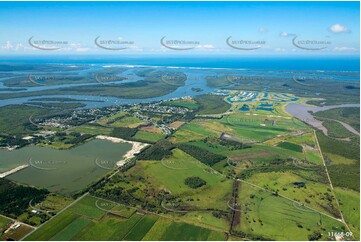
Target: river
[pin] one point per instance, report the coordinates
(302, 112)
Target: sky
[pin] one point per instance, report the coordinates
(143, 28)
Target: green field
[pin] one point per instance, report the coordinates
(53, 227)
(87, 207)
(185, 103)
(337, 164)
(350, 206)
(141, 228)
(315, 194)
(167, 230)
(126, 121)
(92, 129)
(192, 131)
(179, 166)
(290, 146)
(265, 216)
(82, 222)
(148, 136)
(108, 228)
(211, 104)
(72, 229)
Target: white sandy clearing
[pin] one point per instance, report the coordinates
(16, 169)
(137, 147)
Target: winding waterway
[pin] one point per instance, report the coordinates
(302, 112)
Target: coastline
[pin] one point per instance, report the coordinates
(136, 147)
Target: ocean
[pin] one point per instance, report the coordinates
(326, 63)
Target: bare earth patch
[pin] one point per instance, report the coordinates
(176, 124)
(251, 155)
(152, 129)
(137, 147)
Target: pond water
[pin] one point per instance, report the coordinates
(64, 171)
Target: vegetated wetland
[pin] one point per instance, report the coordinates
(228, 153)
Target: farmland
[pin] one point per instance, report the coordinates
(85, 221)
(276, 158)
(231, 164)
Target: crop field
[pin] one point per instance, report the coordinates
(254, 120)
(192, 131)
(126, 121)
(72, 229)
(241, 129)
(141, 228)
(93, 130)
(148, 136)
(85, 221)
(113, 118)
(206, 218)
(53, 227)
(87, 207)
(290, 146)
(168, 230)
(108, 228)
(51, 205)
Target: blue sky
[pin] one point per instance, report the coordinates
(322, 28)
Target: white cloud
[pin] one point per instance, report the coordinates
(279, 50)
(344, 49)
(7, 46)
(285, 34)
(206, 46)
(82, 49)
(262, 30)
(338, 28)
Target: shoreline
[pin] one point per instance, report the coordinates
(303, 113)
(14, 170)
(136, 147)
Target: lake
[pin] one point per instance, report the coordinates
(64, 171)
